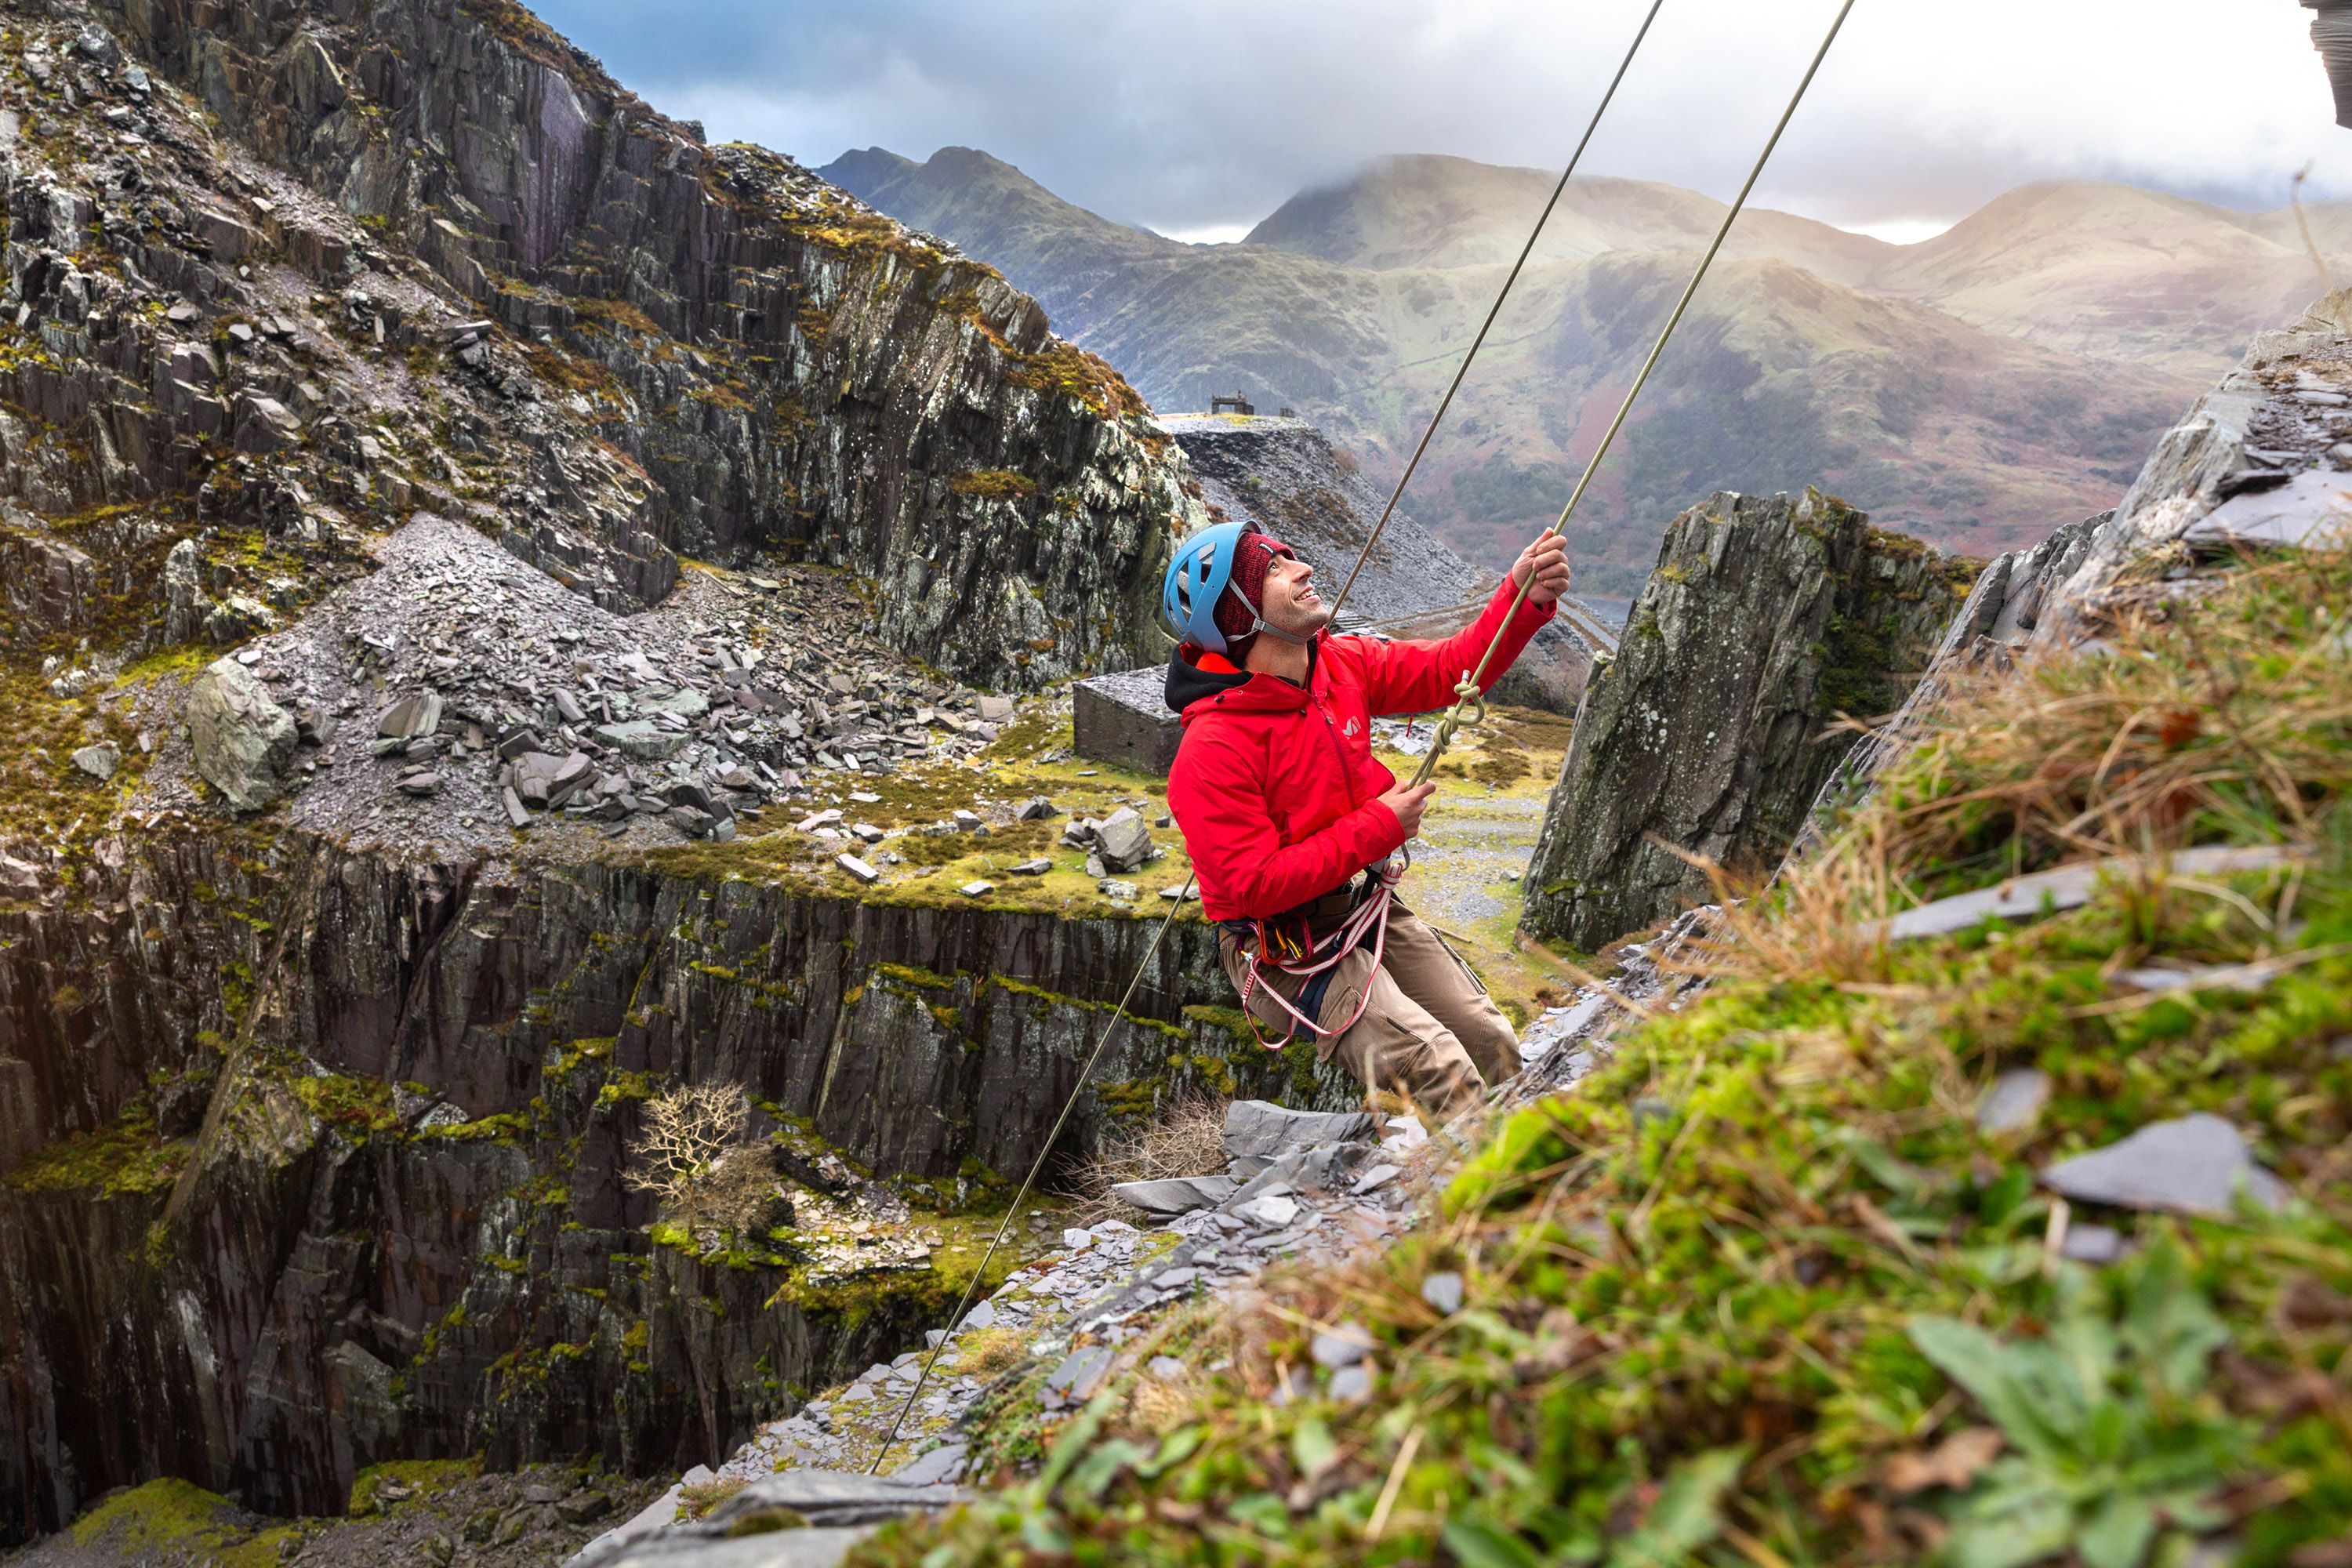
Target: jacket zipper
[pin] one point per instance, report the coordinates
(1347, 774)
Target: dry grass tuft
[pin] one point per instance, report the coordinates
(1188, 1140)
(982, 1353)
(702, 1498)
(2193, 726)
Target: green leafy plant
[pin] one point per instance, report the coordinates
(2113, 1438)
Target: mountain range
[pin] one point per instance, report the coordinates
(1978, 389)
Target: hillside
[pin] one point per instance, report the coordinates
(2113, 273)
(1427, 210)
(1977, 390)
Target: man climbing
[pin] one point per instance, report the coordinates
(1291, 822)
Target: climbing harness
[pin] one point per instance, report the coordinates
(1463, 370)
(1469, 707)
(1289, 945)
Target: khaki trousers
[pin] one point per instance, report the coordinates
(1430, 1030)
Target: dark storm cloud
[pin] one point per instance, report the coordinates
(1192, 116)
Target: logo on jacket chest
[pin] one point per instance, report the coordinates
(1351, 729)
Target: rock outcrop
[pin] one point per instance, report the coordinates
(2262, 461)
(242, 739)
(1764, 621)
(293, 270)
(344, 1174)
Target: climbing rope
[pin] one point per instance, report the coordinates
(1118, 1014)
(1467, 696)
(1495, 309)
(1469, 708)
(1036, 1167)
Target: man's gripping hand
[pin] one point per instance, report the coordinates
(1408, 800)
(1546, 561)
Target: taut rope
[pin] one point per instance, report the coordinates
(1469, 703)
(1495, 309)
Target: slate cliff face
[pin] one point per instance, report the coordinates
(364, 1201)
(1765, 619)
(691, 351)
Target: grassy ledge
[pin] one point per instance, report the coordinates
(1761, 1291)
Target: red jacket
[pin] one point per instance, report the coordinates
(1275, 785)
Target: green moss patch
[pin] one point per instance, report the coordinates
(126, 1159)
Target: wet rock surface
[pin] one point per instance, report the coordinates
(1765, 619)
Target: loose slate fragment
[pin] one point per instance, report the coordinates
(1080, 1371)
(2014, 1102)
(1343, 1346)
(1176, 1194)
(2196, 1164)
(1262, 1129)
(857, 868)
(2069, 887)
(411, 716)
(2092, 1244)
(1270, 1212)
(2293, 515)
(1443, 1292)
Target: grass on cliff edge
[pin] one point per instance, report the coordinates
(1760, 1291)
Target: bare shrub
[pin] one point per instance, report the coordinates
(1188, 1140)
(694, 1153)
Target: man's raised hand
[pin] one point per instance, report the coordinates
(1547, 561)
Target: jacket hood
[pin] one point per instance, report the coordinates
(1192, 690)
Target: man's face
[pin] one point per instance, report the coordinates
(1292, 604)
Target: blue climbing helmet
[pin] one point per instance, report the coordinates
(1197, 579)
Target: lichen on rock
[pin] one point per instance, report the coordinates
(243, 740)
(1709, 735)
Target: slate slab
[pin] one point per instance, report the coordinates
(2014, 1102)
(2067, 887)
(1258, 1129)
(2196, 1164)
(2305, 511)
(1121, 720)
(944, 1463)
(1176, 1194)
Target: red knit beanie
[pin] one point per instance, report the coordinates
(1244, 597)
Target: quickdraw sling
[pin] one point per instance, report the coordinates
(1294, 950)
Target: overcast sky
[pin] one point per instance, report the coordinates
(1198, 117)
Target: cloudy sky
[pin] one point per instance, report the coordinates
(1198, 117)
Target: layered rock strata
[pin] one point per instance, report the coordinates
(351, 1183)
(291, 270)
(1708, 735)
